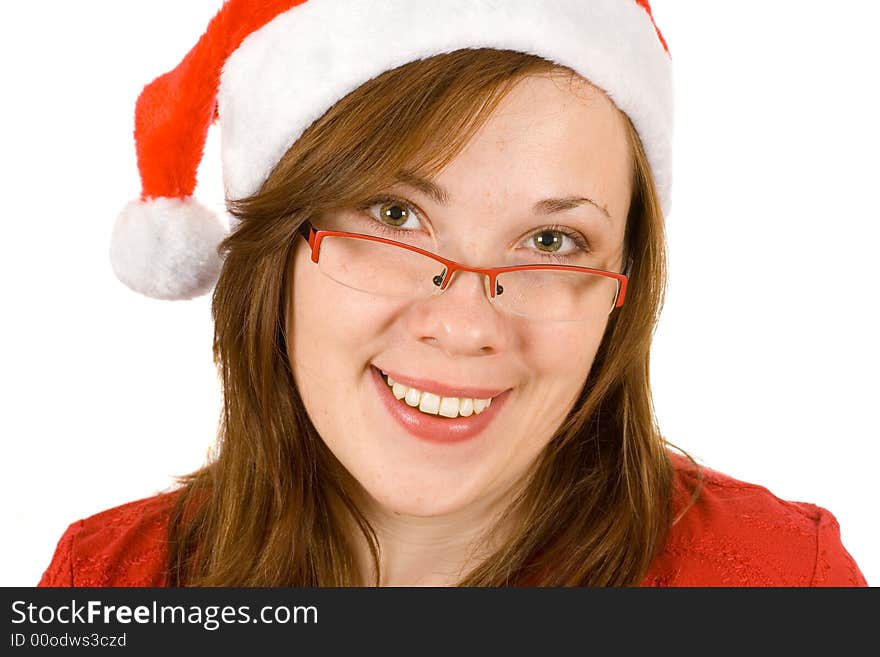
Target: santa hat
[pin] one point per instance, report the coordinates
(267, 69)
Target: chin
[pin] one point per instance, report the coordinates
(421, 501)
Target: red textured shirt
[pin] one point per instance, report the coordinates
(736, 534)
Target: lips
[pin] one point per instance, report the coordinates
(434, 428)
(427, 385)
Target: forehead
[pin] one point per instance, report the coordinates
(551, 136)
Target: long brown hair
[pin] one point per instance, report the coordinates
(274, 507)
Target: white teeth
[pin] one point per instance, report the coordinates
(399, 390)
(466, 408)
(481, 405)
(449, 406)
(428, 402)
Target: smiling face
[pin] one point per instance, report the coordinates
(546, 176)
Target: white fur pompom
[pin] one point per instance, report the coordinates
(166, 248)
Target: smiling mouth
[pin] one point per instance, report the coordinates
(429, 416)
(434, 404)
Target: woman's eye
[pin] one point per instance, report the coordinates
(549, 240)
(558, 241)
(395, 214)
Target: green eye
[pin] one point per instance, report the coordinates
(394, 213)
(548, 240)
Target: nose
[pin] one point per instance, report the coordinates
(461, 320)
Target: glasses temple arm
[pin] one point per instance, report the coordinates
(305, 229)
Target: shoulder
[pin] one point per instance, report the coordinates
(740, 534)
(122, 546)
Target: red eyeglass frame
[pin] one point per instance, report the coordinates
(314, 237)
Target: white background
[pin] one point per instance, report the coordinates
(765, 363)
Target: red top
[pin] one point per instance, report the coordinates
(737, 534)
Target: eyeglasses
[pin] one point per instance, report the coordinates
(384, 267)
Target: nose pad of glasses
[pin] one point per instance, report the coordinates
(441, 278)
(487, 283)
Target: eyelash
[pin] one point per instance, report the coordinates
(582, 246)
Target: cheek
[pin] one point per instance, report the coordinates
(321, 347)
(320, 315)
(562, 352)
(559, 359)
(329, 351)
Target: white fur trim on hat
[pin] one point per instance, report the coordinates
(166, 248)
(288, 73)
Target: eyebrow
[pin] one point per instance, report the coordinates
(430, 189)
(544, 206)
(551, 205)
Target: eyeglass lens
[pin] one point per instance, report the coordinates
(388, 270)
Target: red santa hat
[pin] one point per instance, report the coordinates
(266, 69)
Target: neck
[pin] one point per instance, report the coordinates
(431, 550)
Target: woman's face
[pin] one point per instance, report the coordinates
(550, 145)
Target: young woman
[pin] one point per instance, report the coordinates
(434, 312)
